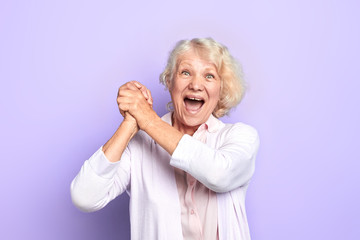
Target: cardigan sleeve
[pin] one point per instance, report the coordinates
(100, 181)
(229, 165)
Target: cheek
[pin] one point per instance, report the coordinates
(175, 94)
(215, 93)
(177, 88)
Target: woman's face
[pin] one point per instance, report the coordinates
(195, 91)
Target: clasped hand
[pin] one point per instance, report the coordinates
(135, 104)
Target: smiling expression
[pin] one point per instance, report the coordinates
(195, 91)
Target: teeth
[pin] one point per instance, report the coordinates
(195, 99)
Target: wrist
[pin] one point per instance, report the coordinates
(131, 125)
(146, 124)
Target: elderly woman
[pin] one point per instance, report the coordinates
(186, 173)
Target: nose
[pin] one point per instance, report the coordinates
(196, 83)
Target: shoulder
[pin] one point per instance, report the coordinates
(239, 130)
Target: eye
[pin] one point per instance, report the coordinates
(186, 73)
(210, 76)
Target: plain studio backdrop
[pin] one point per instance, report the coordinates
(61, 63)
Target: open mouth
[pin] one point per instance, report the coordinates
(193, 103)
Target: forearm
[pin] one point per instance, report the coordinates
(115, 146)
(103, 176)
(221, 168)
(90, 192)
(99, 181)
(165, 135)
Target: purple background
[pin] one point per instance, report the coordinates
(61, 63)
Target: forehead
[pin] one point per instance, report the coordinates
(195, 58)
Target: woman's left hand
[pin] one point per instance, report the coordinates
(135, 98)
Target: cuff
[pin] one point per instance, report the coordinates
(102, 166)
(181, 156)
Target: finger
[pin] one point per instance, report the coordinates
(126, 87)
(150, 100)
(145, 93)
(130, 93)
(131, 85)
(127, 114)
(122, 113)
(137, 84)
(126, 100)
(142, 88)
(134, 85)
(123, 89)
(123, 107)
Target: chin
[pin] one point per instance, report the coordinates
(193, 121)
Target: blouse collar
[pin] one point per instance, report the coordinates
(211, 125)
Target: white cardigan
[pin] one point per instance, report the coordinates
(224, 164)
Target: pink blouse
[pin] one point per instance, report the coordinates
(198, 203)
